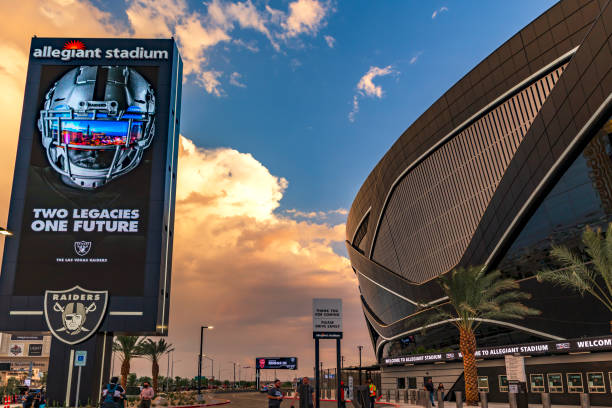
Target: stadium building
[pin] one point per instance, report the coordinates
(515, 157)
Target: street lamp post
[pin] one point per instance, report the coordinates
(212, 366)
(200, 357)
(360, 347)
(168, 372)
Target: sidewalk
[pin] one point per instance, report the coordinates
(491, 405)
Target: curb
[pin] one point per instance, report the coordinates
(333, 400)
(202, 405)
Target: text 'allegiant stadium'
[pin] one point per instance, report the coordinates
(138, 53)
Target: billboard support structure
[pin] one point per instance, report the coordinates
(327, 324)
(92, 202)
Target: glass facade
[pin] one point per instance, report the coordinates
(387, 307)
(583, 196)
(435, 209)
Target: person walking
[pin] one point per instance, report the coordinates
(275, 395)
(112, 394)
(39, 399)
(305, 393)
(342, 395)
(28, 399)
(372, 392)
(146, 395)
(429, 387)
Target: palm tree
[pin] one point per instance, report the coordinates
(153, 351)
(128, 347)
(590, 271)
(473, 296)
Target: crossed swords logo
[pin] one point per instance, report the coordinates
(73, 316)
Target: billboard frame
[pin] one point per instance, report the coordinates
(147, 313)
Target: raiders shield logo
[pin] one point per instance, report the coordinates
(75, 314)
(82, 247)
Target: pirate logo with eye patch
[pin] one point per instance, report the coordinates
(73, 315)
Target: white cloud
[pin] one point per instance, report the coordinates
(366, 83)
(316, 214)
(195, 32)
(250, 45)
(367, 88)
(235, 78)
(331, 41)
(245, 14)
(355, 109)
(295, 64)
(415, 57)
(439, 11)
(210, 81)
(304, 17)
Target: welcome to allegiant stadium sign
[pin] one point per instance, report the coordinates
(551, 347)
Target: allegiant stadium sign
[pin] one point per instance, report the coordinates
(79, 52)
(530, 349)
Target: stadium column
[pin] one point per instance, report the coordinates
(62, 377)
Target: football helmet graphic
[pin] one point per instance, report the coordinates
(96, 123)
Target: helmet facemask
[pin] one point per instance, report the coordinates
(90, 142)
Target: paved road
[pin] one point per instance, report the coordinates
(259, 400)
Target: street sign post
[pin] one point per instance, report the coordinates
(327, 324)
(80, 360)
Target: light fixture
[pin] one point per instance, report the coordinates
(4, 231)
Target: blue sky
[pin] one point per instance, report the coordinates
(291, 107)
(292, 115)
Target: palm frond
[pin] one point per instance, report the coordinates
(594, 247)
(568, 278)
(153, 351)
(431, 317)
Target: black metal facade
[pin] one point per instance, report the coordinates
(514, 157)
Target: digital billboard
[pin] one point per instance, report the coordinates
(92, 205)
(276, 363)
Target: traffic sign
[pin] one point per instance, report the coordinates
(80, 358)
(327, 318)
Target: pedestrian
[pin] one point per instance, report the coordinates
(441, 390)
(146, 395)
(305, 393)
(28, 399)
(112, 394)
(40, 401)
(342, 395)
(372, 392)
(430, 388)
(275, 395)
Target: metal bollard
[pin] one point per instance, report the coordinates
(427, 401)
(397, 396)
(585, 401)
(440, 398)
(406, 397)
(388, 396)
(459, 399)
(484, 403)
(545, 400)
(512, 400)
(423, 398)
